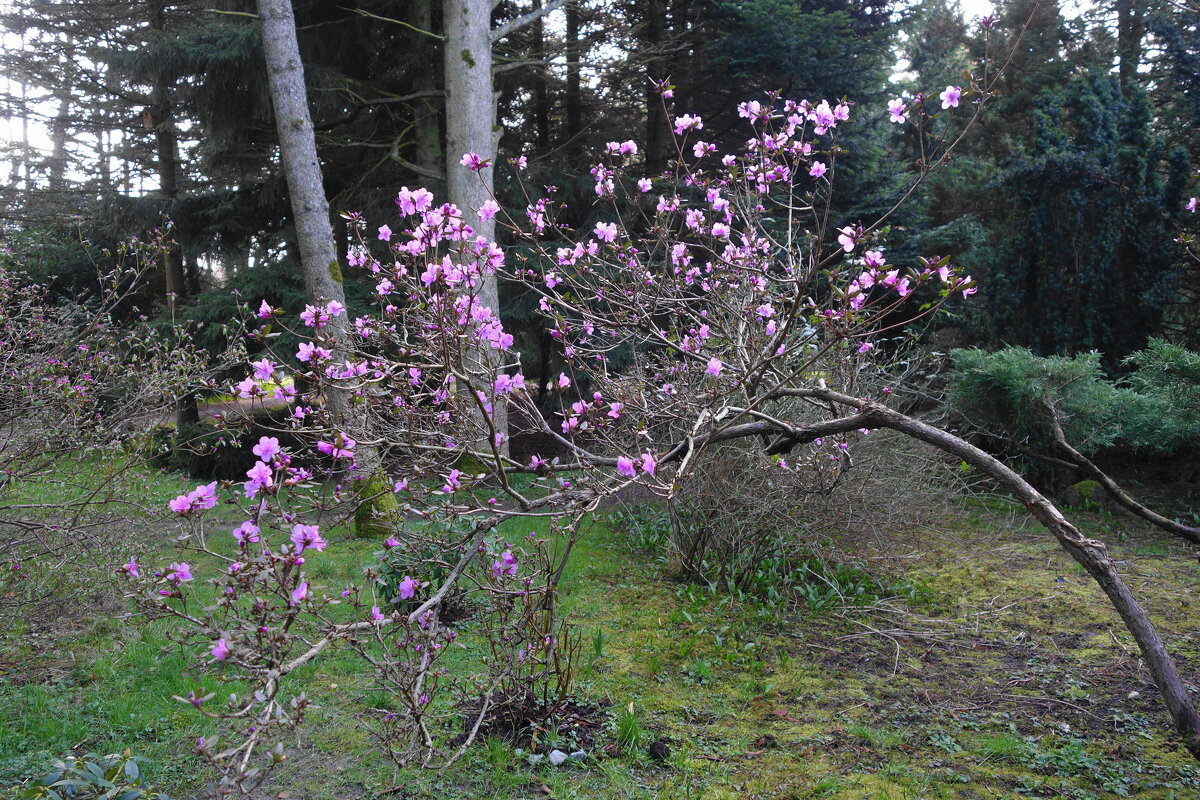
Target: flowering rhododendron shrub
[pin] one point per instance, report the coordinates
(741, 311)
(75, 385)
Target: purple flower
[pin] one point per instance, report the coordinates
(376, 614)
(220, 650)
(714, 367)
(473, 162)
(818, 169)
(181, 504)
(848, 238)
(686, 123)
(267, 448)
(246, 532)
(131, 568)
(453, 482)
(299, 593)
(897, 109)
(489, 209)
(407, 588)
(648, 463)
(308, 537)
(505, 565)
(951, 96)
(625, 467)
(341, 447)
(606, 231)
(385, 233)
(263, 370)
(179, 573)
(1191, 205)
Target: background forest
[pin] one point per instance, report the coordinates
(1067, 196)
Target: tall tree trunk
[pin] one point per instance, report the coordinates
(166, 164)
(574, 100)
(58, 145)
(471, 128)
(1131, 28)
(426, 126)
(657, 149)
(314, 235)
(541, 96)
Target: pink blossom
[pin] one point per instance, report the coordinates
(263, 370)
(181, 504)
(204, 496)
(385, 233)
(342, 446)
(714, 367)
(179, 573)
(563, 380)
(648, 464)
(865, 347)
(625, 467)
(299, 593)
(1191, 205)
(489, 209)
(407, 588)
(951, 96)
(897, 109)
(265, 311)
(131, 568)
(848, 238)
(643, 185)
(267, 448)
(686, 123)
(220, 650)
(505, 565)
(248, 387)
(473, 162)
(308, 537)
(390, 542)
(818, 169)
(246, 532)
(376, 614)
(606, 231)
(414, 202)
(453, 482)
(309, 351)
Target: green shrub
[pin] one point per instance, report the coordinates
(1011, 392)
(93, 777)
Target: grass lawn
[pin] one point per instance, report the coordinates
(1006, 675)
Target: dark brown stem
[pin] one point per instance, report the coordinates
(1113, 488)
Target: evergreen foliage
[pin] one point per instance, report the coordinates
(1012, 391)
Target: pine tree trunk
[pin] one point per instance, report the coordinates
(167, 167)
(657, 150)
(574, 101)
(427, 129)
